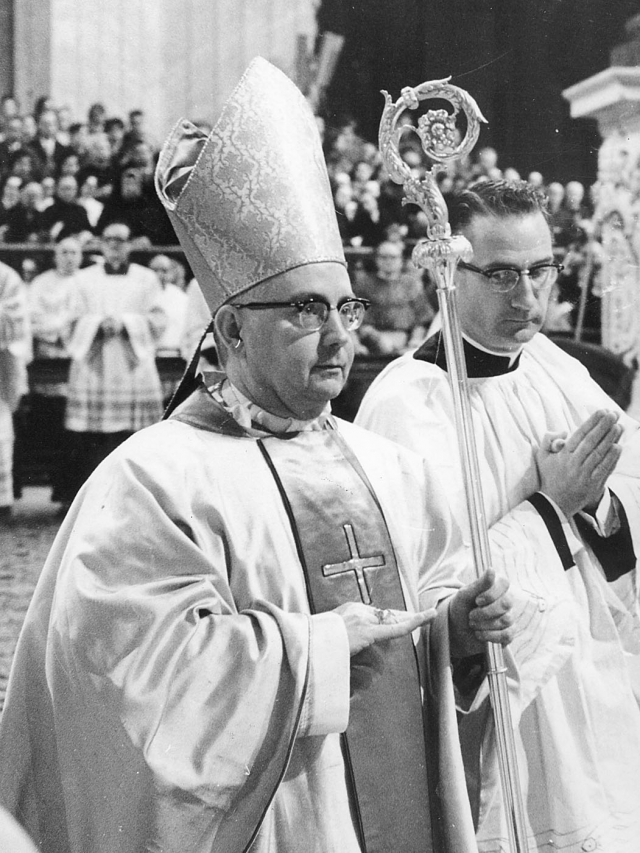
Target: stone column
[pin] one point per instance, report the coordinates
(612, 97)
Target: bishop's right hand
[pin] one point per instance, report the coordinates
(367, 625)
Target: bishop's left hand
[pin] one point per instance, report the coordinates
(479, 613)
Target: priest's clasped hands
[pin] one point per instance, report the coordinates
(574, 470)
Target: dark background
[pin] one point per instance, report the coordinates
(513, 56)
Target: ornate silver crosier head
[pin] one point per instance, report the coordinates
(439, 136)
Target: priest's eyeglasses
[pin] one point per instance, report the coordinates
(504, 279)
(312, 314)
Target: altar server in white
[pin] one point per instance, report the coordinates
(554, 452)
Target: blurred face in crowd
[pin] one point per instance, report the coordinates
(163, 268)
(389, 260)
(9, 107)
(288, 370)
(78, 138)
(48, 125)
(29, 128)
(64, 118)
(70, 165)
(48, 187)
(67, 188)
(555, 194)
(488, 158)
(131, 183)
(68, 256)
(31, 195)
(23, 167)
(99, 150)
(115, 244)
(11, 192)
(574, 194)
(13, 129)
(502, 322)
(28, 270)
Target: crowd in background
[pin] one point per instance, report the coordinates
(64, 183)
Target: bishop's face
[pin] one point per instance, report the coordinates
(504, 321)
(285, 369)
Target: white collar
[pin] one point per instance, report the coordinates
(257, 421)
(512, 356)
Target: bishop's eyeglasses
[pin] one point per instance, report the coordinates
(312, 314)
(504, 279)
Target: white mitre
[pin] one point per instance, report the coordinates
(253, 198)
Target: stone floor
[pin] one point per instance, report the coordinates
(24, 544)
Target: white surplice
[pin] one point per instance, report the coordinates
(578, 721)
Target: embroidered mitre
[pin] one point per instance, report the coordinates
(253, 198)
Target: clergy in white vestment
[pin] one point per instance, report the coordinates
(225, 649)
(114, 388)
(559, 461)
(15, 353)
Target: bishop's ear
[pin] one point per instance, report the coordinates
(228, 326)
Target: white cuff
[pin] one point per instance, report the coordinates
(326, 704)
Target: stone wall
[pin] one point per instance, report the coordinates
(168, 57)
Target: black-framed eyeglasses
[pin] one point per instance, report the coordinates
(504, 279)
(312, 314)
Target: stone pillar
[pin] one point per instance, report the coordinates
(612, 97)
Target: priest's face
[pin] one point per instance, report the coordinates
(504, 321)
(286, 369)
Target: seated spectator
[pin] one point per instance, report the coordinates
(70, 165)
(568, 222)
(361, 174)
(98, 163)
(559, 217)
(29, 269)
(366, 228)
(22, 164)
(43, 104)
(146, 217)
(511, 174)
(95, 119)
(9, 197)
(65, 120)
(66, 217)
(29, 129)
(137, 133)
(114, 128)
(346, 206)
(536, 179)
(46, 148)
(9, 108)
(24, 220)
(11, 142)
(48, 192)
(54, 307)
(400, 312)
(87, 199)
(486, 165)
(78, 139)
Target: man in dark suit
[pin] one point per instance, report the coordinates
(48, 152)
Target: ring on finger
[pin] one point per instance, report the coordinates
(381, 615)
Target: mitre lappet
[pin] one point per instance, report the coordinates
(252, 199)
